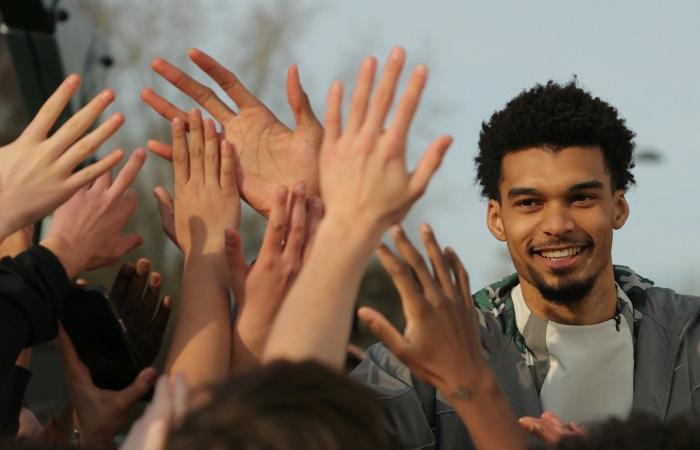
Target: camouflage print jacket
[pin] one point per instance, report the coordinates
(666, 374)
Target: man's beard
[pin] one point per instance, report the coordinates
(567, 291)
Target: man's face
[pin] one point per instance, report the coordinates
(557, 214)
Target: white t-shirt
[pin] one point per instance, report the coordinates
(591, 367)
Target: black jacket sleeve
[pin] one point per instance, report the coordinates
(13, 384)
(32, 288)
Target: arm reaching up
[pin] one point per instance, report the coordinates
(269, 153)
(260, 288)
(206, 203)
(365, 188)
(440, 343)
(36, 171)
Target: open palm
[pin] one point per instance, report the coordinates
(269, 153)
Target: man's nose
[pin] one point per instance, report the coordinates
(557, 221)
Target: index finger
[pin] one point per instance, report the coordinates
(194, 89)
(412, 300)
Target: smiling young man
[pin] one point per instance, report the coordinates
(569, 333)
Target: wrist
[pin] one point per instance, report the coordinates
(357, 228)
(467, 384)
(67, 253)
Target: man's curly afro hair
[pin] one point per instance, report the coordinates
(554, 116)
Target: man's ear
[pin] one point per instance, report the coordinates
(621, 209)
(494, 221)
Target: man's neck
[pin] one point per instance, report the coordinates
(599, 305)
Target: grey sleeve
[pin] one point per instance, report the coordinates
(407, 424)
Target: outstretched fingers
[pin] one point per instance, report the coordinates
(87, 174)
(382, 329)
(80, 122)
(51, 110)
(429, 163)
(438, 261)
(461, 276)
(211, 153)
(181, 166)
(195, 90)
(408, 104)
(276, 225)
(196, 145)
(384, 94)
(402, 275)
(224, 78)
(162, 106)
(361, 93)
(333, 119)
(414, 259)
(128, 173)
(299, 100)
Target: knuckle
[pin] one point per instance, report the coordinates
(204, 95)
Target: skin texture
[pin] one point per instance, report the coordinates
(206, 203)
(546, 212)
(366, 188)
(260, 288)
(269, 153)
(441, 343)
(86, 231)
(550, 428)
(36, 171)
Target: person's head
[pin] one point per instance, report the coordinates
(554, 165)
(286, 406)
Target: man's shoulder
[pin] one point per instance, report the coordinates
(665, 307)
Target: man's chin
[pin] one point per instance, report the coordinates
(566, 290)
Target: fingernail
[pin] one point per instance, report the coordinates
(425, 228)
(108, 94)
(177, 123)
(300, 188)
(155, 279)
(449, 250)
(396, 52)
(397, 229)
(73, 79)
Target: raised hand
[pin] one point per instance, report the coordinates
(363, 167)
(441, 343)
(36, 171)
(206, 203)
(135, 296)
(365, 187)
(259, 289)
(206, 197)
(270, 154)
(86, 231)
(101, 413)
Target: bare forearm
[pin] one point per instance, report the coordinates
(319, 308)
(201, 342)
(487, 415)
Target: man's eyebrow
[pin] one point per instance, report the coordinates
(593, 184)
(518, 191)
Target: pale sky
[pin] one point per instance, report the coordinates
(640, 56)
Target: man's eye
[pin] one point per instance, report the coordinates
(527, 203)
(583, 198)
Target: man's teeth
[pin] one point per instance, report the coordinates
(563, 253)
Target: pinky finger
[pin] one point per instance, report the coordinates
(429, 163)
(90, 173)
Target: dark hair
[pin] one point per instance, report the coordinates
(554, 117)
(286, 406)
(639, 432)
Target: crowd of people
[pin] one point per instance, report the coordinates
(570, 352)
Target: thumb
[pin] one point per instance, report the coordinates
(298, 100)
(383, 330)
(74, 367)
(143, 382)
(166, 210)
